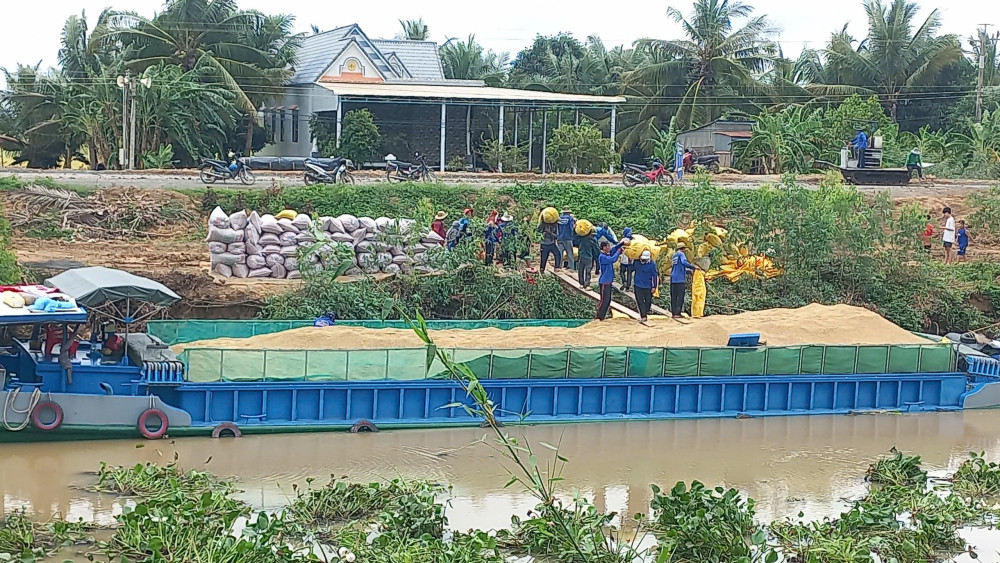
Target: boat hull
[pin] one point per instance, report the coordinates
(276, 407)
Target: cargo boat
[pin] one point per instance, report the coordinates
(151, 392)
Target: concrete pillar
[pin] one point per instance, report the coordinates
(545, 137)
(614, 120)
(578, 117)
(514, 111)
(444, 115)
(531, 135)
(340, 120)
(500, 137)
(468, 132)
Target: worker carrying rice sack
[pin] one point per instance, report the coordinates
(698, 294)
(550, 216)
(584, 228)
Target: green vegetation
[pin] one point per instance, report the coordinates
(359, 136)
(897, 471)
(146, 480)
(10, 270)
(30, 541)
(581, 149)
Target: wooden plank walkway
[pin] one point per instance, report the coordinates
(570, 281)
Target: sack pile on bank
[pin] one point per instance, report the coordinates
(271, 246)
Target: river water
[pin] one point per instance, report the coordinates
(812, 464)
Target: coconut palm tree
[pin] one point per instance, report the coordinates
(467, 60)
(223, 43)
(717, 60)
(414, 30)
(897, 57)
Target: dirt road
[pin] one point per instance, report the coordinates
(188, 179)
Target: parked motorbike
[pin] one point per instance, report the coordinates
(397, 171)
(328, 171)
(709, 162)
(636, 174)
(213, 169)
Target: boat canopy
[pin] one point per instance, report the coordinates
(22, 316)
(96, 285)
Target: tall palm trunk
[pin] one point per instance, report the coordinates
(249, 143)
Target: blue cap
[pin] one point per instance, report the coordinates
(627, 232)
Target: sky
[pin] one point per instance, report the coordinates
(29, 30)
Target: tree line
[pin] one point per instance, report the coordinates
(214, 64)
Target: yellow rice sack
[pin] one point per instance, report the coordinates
(550, 215)
(584, 227)
(286, 214)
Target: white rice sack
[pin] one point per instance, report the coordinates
(305, 237)
(379, 246)
(272, 260)
(325, 223)
(289, 250)
(391, 268)
(363, 246)
(432, 238)
(302, 221)
(368, 223)
(402, 260)
(218, 219)
(255, 262)
(397, 251)
(349, 222)
(254, 220)
(359, 235)
(287, 226)
(366, 259)
(382, 223)
(369, 236)
(251, 235)
(336, 226)
(269, 238)
(253, 249)
(219, 234)
(383, 258)
(353, 271)
(217, 247)
(288, 239)
(341, 237)
(294, 275)
(238, 220)
(260, 273)
(223, 270)
(241, 271)
(406, 225)
(228, 259)
(291, 263)
(237, 248)
(270, 249)
(417, 249)
(278, 271)
(268, 224)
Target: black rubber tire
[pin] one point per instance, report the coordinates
(713, 168)
(247, 177)
(346, 178)
(429, 177)
(627, 180)
(204, 175)
(307, 180)
(227, 427)
(389, 177)
(363, 426)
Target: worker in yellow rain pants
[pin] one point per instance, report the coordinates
(698, 294)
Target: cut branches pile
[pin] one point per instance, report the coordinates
(114, 213)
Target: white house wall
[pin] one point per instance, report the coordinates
(352, 52)
(310, 100)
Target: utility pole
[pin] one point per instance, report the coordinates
(983, 38)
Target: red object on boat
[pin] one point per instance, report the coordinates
(53, 336)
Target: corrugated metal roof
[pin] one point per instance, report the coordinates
(736, 134)
(420, 58)
(449, 92)
(317, 52)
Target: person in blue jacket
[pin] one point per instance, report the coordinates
(861, 145)
(679, 267)
(647, 279)
(609, 255)
(564, 238)
(604, 232)
(626, 267)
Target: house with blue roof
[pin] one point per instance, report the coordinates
(416, 107)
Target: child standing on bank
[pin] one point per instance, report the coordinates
(962, 235)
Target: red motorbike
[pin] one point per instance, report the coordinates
(637, 174)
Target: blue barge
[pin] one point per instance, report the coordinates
(210, 391)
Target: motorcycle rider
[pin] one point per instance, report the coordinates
(688, 161)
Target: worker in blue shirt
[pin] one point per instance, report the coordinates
(604, 232)
(861, 145)
(564, 238)
(679, 267)
(609, 255)
(647, 279)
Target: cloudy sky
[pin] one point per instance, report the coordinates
(29, 30)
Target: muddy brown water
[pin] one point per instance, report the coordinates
(810, 464)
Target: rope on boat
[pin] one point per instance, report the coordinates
(8, 406)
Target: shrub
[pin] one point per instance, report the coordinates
(581, 149)
(494, 153)
(359, 137)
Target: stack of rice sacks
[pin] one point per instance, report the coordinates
(268, 246)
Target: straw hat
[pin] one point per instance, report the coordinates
(506, 218)
(681, 245)
(567, 210)
(440, 215)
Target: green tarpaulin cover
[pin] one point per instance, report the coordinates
(97, 285)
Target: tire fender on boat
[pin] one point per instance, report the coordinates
(364, 426)
(36, 413)
(157, 433)
(227, 427)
